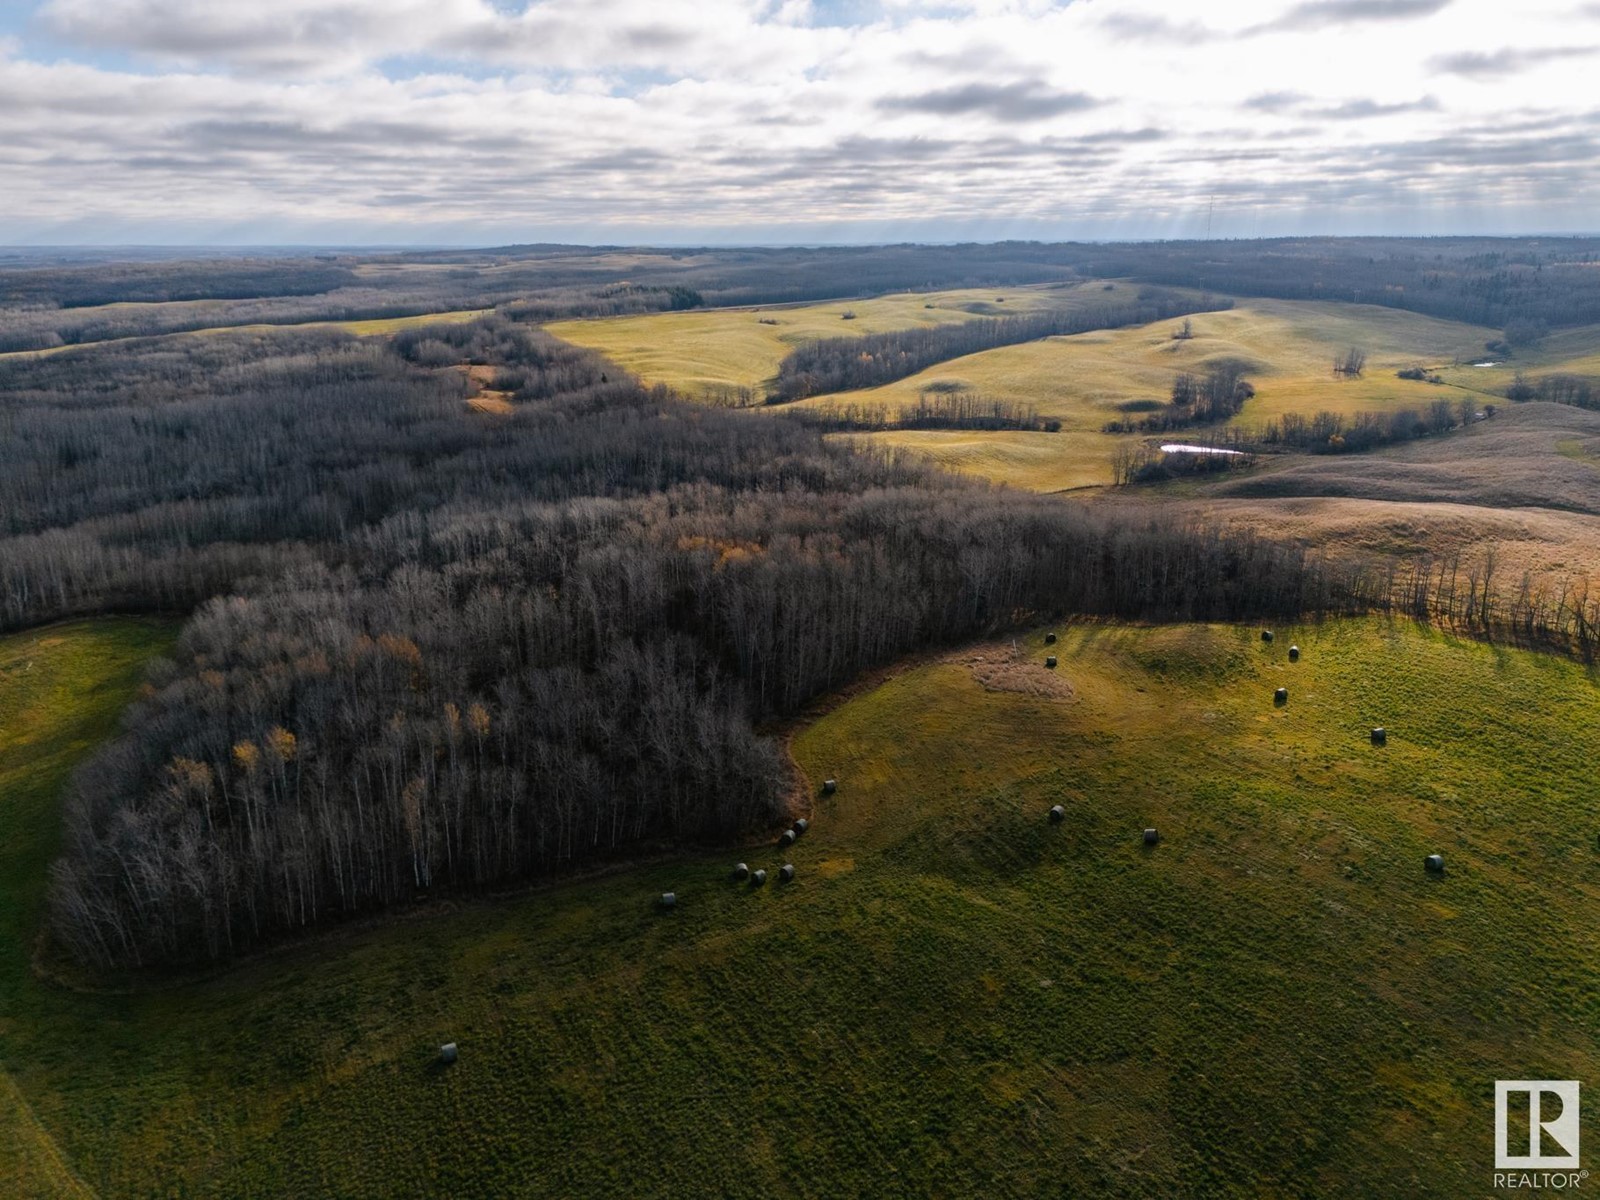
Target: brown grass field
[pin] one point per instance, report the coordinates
(1524, 488)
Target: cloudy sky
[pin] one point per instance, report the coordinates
(476, 121)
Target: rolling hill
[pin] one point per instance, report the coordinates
(955, 995)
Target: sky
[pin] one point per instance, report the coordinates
(475, 122)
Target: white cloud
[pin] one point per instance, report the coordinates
(391, 119)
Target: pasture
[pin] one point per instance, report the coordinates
(1086, 380)
(955, 995)
(704, 353)
(62, 689)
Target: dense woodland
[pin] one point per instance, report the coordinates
(1515, 284)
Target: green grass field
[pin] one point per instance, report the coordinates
(955, 997)
(62, 689)
(709, 349)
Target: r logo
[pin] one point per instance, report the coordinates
(1552, 1110)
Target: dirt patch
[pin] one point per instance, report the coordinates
(1000, 669)
(485, 398)
(498, 403)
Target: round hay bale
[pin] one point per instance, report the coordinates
(1380, 736)
(1280, 697)
(1051, 662)
(1434, 863)
(1294, 653)
(1151, 837)
(788, 838)
(741, 871)
(786, 873)
(758, 878)
(669, 899)
(801, 825)
(1049, 639)
(829, 786)
(1057, 815)
(1266, 635)
(447, 1053)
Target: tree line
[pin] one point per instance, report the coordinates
(1324, 432)
(959, 409)
(848, 364)
(1206, 399)
(1560, 388)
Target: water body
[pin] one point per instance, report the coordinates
(1184, 448)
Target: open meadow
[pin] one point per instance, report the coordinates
(1082, 380)
(709, 353)
(955, 995)
(1086, 380)
(62, 689)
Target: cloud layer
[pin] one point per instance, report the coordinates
(776, 120)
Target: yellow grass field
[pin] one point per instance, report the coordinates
(1083, 381)
(705, 351)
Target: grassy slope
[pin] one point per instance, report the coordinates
(1081, 380)
(955, 997)
(1530, 455)
(1567, 351)
(61, 690)
(730, 347)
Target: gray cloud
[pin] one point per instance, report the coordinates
(1144, 27)
(1319, 14)
(1121, 137)
(1360, 110)
(1298, 104)
(1028, 100)
(1276, 102)
(1477, 65)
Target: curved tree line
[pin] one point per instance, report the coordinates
(849, 363)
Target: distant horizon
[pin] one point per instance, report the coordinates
(42, 248)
